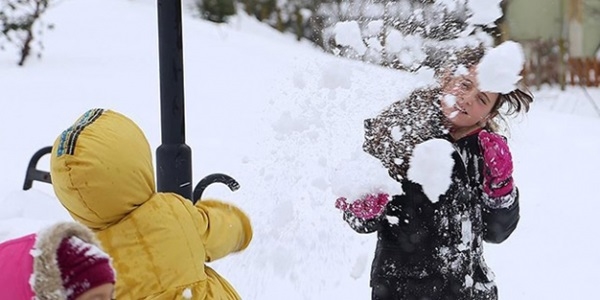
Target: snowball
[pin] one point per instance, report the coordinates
(466, 234)
(461, 70)
(374, 27)
(374, 44)
(485, 12)
(393, 220)
(449, 5)
(348, 34)
(468, 281)
(187, 293)
(35, 252)
(396, 133)
(449, 99)
(408, 48)
(500, 67)
(431, 166)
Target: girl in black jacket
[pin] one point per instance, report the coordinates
(430, 249)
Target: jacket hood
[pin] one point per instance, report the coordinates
(47, 283)
(101, 168)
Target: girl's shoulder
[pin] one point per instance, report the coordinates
(481, 134)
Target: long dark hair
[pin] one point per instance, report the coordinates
(508, 104)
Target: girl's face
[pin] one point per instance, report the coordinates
(465, 106)
(101, 292)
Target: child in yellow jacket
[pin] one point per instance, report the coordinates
(102, 173)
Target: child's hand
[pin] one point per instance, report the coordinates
(498, 166)
(341, 204)
(367, 207)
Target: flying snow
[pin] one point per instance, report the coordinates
(187, 293)
(485, 12)
(360, 175)
(348, 34)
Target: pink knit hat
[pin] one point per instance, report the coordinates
(83, 266)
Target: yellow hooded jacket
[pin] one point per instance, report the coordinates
(102, 173)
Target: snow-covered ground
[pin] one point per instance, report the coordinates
(283, 118)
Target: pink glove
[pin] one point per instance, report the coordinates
(341, 204)
(368, 207)
(498, 166)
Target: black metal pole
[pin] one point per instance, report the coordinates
(173, 156)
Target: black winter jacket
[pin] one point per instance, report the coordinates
(433, 250)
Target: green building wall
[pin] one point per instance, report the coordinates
(591, 25)
(528, 20)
